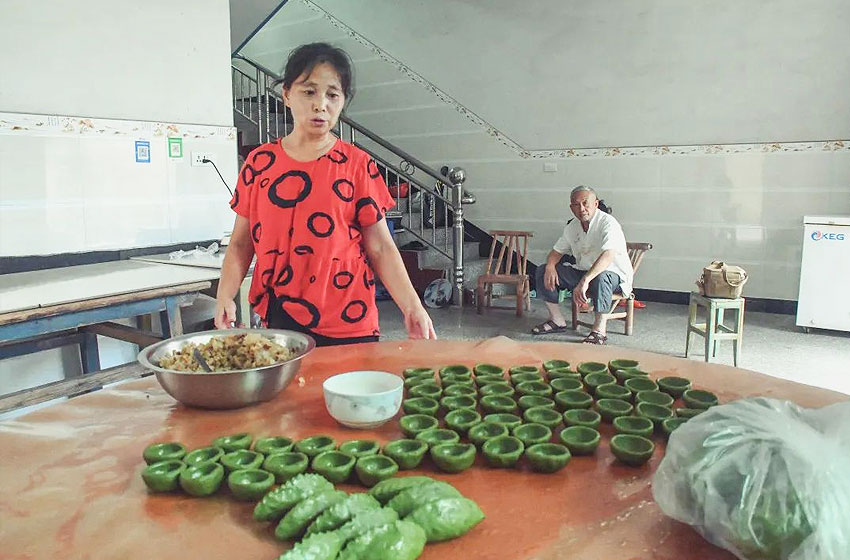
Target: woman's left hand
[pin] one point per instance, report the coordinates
(418, 324)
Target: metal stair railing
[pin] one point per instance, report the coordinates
(256, 99)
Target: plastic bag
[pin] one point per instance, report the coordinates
(762, 478)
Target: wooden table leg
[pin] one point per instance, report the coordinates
(171, 318)
(710, 328)
(89, 355)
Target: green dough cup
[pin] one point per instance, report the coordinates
(286, 465)
(530, 401)
(518, 378)
(563, 373)
(407, 453)
(580, 440)
(623, 374)
(635, 425)
(462, 420)
(480, 433)
(436, 436)
(420, 405)
(163, 476)
(249, 484)
(547, 457)
(669, 425)
(543, 415)
(242, 459)
(503, 451)
(555, 364)
(453, 457)
(457, 369)
(415, 381)
(460, 391)
(524, 369)
(654, 412)
(638, 384)
(529, 434)
(654, 397)
(506, 419)
(673, 385)
(412, 424)
(535, 388)
(375, 468)
(202, 480)
(452, 380)
(582, 417)
(502, 389)
(566, 384)
(567, 400)
(314, 445)
(688, 412)
(360, 447)
(418, 372)
(586, 368)
(158, 452)
(336, 466)
(613, 391)
(613, 408)
(594, 380)
(483, 380)
(203, 455)
(271, 445)
(621, 363)
(488, 369)
(498, 403)
(233, 442)
(696, 398)
(429, 390)
(632, 450)
(455, 403)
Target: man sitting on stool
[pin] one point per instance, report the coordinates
(602, 266)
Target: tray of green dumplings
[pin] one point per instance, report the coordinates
(394, 519)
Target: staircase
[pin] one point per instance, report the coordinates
(261, 116)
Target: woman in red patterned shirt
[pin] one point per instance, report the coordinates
(311, 208)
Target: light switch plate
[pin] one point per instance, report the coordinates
(550, 167)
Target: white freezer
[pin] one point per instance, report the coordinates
(824, 298)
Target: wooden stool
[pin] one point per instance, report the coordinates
(714, 330)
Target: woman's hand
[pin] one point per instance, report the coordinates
(225, 313)
(418, 324)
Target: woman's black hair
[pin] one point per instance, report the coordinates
(303, 59)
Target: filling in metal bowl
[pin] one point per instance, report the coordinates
(227, 353)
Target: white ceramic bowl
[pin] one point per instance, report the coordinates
(363, 399)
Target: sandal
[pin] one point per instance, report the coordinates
(595, 338)
(548, 327)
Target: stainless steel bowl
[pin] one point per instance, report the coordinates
(227, 389)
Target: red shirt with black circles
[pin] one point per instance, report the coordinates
(306, 220)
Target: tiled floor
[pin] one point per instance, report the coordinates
(772, 343)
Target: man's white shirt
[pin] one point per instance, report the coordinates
(604, 233)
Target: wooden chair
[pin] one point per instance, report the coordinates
(501, 270)
(636, 254)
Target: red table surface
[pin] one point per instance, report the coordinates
(71, 486)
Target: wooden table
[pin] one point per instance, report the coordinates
(47, 309)
(71, 485)
(215, 262)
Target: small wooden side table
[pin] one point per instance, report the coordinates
(714, 328)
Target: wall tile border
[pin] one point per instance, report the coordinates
(566, 153)
(50, 125)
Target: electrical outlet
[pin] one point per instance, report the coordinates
(198, 158)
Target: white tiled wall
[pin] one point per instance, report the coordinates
(743, 208)
(73, 185)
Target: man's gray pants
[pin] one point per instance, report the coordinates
(601, 288)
